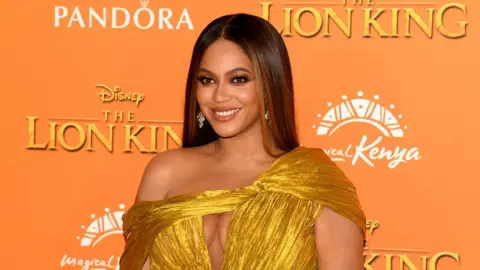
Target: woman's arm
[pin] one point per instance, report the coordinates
(146, 266)
(339, 242)
(155, 182)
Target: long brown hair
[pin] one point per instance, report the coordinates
(266, 49)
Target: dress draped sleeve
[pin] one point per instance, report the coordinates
(311, 175)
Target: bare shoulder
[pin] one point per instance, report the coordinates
(162, 171)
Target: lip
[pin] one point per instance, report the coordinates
(224, 118)
(222, 109)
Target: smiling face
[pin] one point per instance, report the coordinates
(227, 89)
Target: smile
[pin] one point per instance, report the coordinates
(226, 113)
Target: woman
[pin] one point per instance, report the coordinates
(242, 193)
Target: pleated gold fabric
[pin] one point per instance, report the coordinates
(271, 227)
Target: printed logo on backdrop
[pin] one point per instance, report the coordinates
(404, 258)
(112, 130)
(145, 16)
(91, 254)
(383, 18)
(369, 150)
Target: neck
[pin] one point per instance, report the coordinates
(245, 146)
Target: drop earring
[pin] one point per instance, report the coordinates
(200, 119)
(267, 116)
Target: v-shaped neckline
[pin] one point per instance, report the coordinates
(234, 212)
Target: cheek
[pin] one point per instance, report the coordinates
(248, 96)
(203, 96)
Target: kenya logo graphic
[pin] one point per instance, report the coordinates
(101, 227)
(364, 110)
(110, 223)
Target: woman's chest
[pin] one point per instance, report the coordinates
(215, 230)
(206, 179)
(258, 230)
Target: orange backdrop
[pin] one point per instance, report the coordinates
(390, 95)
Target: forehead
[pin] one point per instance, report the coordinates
(224, 55)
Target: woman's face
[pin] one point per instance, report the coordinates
(226, 89)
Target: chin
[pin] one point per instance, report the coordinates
(227, 130)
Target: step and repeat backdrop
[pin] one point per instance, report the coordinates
(93, 89)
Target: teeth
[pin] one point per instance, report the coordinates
(227, 113)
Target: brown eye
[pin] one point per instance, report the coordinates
(205, 80)
(240, 79)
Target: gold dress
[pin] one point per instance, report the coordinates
(272, 224)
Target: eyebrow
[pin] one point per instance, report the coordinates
(230, 71)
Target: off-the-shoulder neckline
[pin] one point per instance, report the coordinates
(181, 197)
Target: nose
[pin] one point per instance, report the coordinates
(221, 93)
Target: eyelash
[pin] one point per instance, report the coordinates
(202, 80)
(242, 79)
